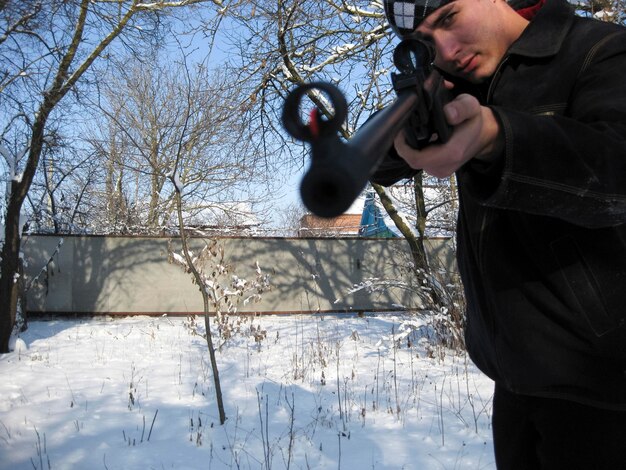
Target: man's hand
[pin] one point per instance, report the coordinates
(476, 135)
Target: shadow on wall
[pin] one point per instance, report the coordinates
(124, 275)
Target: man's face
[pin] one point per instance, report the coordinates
(471, 36)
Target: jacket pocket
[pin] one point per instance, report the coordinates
(554, 109)
(583, 285)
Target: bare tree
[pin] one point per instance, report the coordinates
(151, 109)
(47, 49)
(111, 203)
(290, 219)
(613, 11)
(283, 43)
(428, 203)
(58, 200)
(214, 293)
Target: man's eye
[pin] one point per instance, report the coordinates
(448, 19)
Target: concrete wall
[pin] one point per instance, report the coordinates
(124, 275)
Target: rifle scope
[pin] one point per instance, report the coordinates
(341, 168)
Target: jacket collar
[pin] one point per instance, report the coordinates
(544, 35)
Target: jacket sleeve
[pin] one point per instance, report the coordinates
(570, 166)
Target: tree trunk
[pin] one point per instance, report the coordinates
(8, 271)
(205, 300)
(416, 245)
(420, 204)
(11, 248)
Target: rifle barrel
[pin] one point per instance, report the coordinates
(340, 170)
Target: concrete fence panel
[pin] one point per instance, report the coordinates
(132, 275)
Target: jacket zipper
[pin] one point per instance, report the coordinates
(486, 212)
(483, 223)
(496, 76)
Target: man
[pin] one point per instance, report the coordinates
(539, 149)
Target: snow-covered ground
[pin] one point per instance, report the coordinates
(318, 392)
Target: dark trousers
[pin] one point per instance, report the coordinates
(532, 433)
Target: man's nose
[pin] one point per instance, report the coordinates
(446, 50)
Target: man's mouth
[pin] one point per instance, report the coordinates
(468, 65)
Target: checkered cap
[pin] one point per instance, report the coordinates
(404, 16)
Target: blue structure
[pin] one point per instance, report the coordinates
(372, 221)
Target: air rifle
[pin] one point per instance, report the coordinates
(340, 169)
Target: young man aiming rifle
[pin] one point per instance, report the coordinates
(539, 150)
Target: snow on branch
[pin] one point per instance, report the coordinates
(155, 6)
(347, 49)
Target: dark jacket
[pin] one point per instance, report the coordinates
(542, 232)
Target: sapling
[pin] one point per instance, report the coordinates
(214, 291)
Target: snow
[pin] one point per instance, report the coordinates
(300, 391)
(175, 178)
